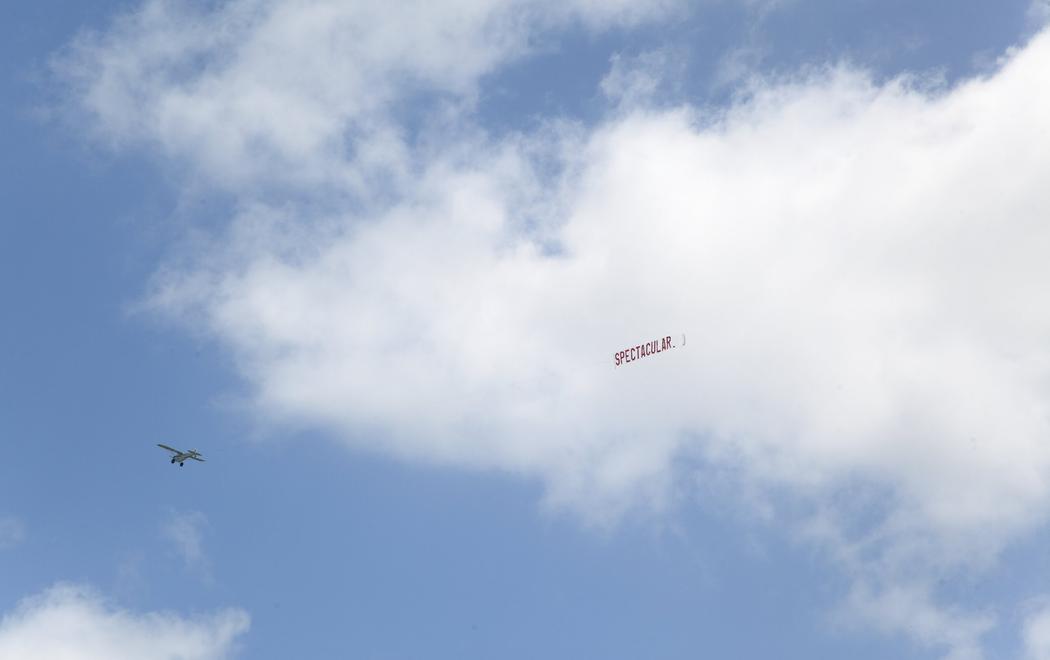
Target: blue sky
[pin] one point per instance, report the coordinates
(374, 265)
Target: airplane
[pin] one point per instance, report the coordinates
(181, 457)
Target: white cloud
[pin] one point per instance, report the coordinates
(910, 609)
(303, 92)
(73, 623)
(859, 269)
(1036, 634)
(12, 531)
(185, 530)
(856, 266)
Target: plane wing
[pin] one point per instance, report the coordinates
(169, 448)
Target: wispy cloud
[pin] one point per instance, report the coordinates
(12, 531)
(1036, 632)
(644, 79)
(912, 610)
(69, 621)
(315, 88)
(185, 531)
(1039, 12)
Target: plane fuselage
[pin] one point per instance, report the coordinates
(179, 456)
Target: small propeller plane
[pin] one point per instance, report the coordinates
(180, 456)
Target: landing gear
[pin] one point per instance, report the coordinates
(173, 461)
(181, 464)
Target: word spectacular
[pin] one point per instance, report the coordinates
(643, 350)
